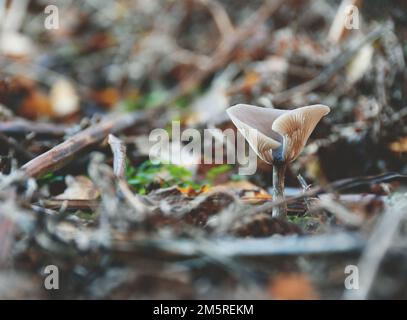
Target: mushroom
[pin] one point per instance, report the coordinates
(277, 137)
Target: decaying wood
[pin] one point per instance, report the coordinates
(58, 156)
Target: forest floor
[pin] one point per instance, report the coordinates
(80, 95)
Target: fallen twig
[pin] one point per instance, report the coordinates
(274, 246)
(119, 155)
(220, 16)
(58, 156)
(340, 211)
(333, 187)
(305, 188)
(119, 165)
(70, 204)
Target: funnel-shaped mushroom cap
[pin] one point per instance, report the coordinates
(276, 134)
(254, 123)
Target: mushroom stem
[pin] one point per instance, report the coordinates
(279, 211)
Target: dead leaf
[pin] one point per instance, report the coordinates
(63, 97)
(16, 45)
(292, 286)
(244, 190)
(79, 188)
(5, 113)
(399, 146)
(191, 192)
(251, 79)
(107, 97)
(360, 64)
(36, 105)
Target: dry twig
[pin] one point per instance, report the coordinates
(119, 155)
(58, 156)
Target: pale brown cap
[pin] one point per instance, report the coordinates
(268, 129)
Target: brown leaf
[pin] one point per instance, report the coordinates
(292, 286)
(106, 97)
(191, 192)
(63, 97)
(245, 190)
(79, 188)
(36, 105)
(360, 64)
(399, 146)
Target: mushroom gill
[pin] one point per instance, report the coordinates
(296, 126)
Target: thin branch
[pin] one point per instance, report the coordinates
(340, 211)
(274, 246)
(119, 155)
(61, 154)
(332, 187)
(305, 187)
(220, 16)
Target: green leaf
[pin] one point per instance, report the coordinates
(147, 173)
